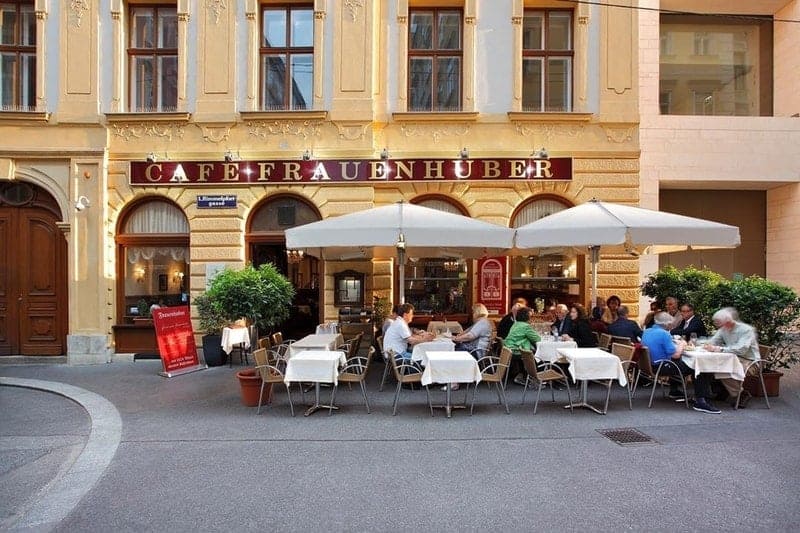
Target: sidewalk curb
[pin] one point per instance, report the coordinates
(62, 495)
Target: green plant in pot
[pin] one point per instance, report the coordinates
(212, 320)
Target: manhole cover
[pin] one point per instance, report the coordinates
(627, 436)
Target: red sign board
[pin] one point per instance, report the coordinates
(175, 340)
(287, 172)
(492, 284)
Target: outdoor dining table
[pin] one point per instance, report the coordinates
(721, 364)
(449, 367)
(315, 366)
(321, 341)
(547, 348)
(593, 363)
(437, 345)
(234, 336)
(435, 326)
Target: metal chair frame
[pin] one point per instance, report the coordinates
(414, 375)
(646, 367)
(549, 374)
(493, 370)
(759, 363)
(269, 374)
(355, 371)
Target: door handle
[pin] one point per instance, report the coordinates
(19, 299)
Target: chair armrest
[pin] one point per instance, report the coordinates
(401, 366)
(495, 367)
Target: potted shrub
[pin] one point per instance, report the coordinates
(262, 296)
(212, 320)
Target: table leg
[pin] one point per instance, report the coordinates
(584, 396)
(447, 407)
(317, 406)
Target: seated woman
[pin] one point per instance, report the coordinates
(476, 338)
(521, 336)
(580, 331)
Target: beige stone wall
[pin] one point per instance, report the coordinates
(787, 61)
(783, 227)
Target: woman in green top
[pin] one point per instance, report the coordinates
(522, 336)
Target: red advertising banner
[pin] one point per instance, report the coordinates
(493, 285)
(335, 171)
(176, 341)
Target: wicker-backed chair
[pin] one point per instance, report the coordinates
(350, 348)
(405, 372)
(280, 344)
(757, 366)
(620, 340)
(269, 374)
(493, 371)
(645, 368)
(264, 342)
(355, 371)
(625, 353)
(605, 341)
(550, 373)
(388, 365)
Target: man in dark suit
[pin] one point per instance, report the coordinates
(562, 322)
(689, 324)
(624, 326)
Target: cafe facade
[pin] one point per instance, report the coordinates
(160, 143)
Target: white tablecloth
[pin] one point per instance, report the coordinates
(330, 327)
(440, 345)
(547, 350)
(721, 364)
(449, 367)
(323, 341)
(593, 363)
(434, 326)
(315, 366)
(231, 336)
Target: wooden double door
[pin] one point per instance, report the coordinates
(33, 281)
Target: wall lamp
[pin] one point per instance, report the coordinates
(229, 156)
(464, 153)
(306, 155)
(385, 154)
(359, 254)
(151, 157)
(82, 203)
(540, 154)
(138, 274)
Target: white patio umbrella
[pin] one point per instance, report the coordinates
(621, 229)
(398, 230)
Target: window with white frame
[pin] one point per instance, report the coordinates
(547, 61)
(287, 57)
(435, 53)
(153, 58)
(17, 55)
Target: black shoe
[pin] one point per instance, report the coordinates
(703, 406)
(677, 396)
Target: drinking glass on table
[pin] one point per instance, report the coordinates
(693, 339)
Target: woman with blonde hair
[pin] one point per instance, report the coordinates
(476, 338)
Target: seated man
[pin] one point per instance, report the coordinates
(507, 321)
(734, 337)
(624, 326)
(398, 336)
(662, 347)
(689, 324)
(562, 324)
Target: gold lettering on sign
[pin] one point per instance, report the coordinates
(459, 169)
(265, 171)
(204, 171)
(491, 169)
(320, 173)
(404, 171)
(291, 171)
(543, 169)
(518, 168)
(345, 174)
(148, 172)
(230, 172)
(378, 170)
(430, 167)
(179, 176)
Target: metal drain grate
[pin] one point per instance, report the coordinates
(627, 436)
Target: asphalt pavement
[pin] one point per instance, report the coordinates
(116, 447)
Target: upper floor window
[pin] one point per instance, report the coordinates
(287, 58)
(153, 57)
(435, 53)
(720, 67)
(17, 56)
(547, 54)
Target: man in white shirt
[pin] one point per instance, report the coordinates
(738, 338)
(672, 308)
(398, 336)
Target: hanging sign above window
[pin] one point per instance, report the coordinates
(194, 173)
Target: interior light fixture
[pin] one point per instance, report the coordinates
(385, 154)
(294, 256)
(464, 154)
(307, 155)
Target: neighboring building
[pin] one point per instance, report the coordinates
(148, 145)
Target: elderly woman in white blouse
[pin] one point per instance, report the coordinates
(476, 338)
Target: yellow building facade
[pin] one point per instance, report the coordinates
(120, 87)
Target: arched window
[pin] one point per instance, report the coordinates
(153, 259)
(438, 285)
(549, 278)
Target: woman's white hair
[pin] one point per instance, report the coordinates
(479, 310)
(663, 318)
(723, 316)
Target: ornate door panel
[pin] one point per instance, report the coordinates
(33, 281)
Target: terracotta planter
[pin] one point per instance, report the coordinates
(771, 382)
(250, 386)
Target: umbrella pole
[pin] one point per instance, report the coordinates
(401, 273)
(594, 257)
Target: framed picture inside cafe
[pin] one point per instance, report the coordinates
(348, 288)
